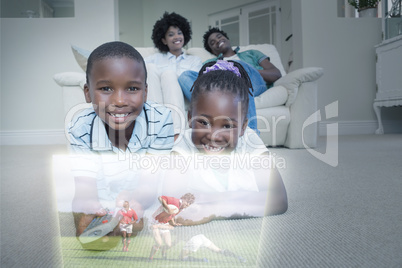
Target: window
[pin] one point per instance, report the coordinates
(37, 8)
(392, 18)
(255, 23)
(348, 11)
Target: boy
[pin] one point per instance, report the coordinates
(120, 122)
(120, 119)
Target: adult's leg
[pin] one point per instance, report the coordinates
(154, 85)
(252, 115)
(259, 87)
(173, 98)
(259, 84)
(186, 81)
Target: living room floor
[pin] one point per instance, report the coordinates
(348, 215)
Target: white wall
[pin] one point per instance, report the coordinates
(131, 23)
(286, 31)
(344, 47)
(33, 50)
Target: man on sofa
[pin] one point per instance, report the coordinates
(261, 71)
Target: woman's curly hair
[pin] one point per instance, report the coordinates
(162, 26)
(208, 33)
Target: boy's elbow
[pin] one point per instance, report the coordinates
(277, 206)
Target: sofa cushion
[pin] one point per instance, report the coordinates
(293, 80)
(200, 52)
(81, 56)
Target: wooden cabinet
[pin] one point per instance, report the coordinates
(389, 65)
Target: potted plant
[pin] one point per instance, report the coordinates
(366, 8)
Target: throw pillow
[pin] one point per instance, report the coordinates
(81, 56)
(293, 80)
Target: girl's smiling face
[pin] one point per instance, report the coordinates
(217, 122)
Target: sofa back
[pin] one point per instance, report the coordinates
(81, 55)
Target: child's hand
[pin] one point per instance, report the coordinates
(87, 206)
(81, 222)
(86, 197)
(84, 212)
(101, 212)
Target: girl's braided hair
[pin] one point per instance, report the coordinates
(223, 80)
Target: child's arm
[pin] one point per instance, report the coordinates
(85, 204)
(272, 183)
(230, 204)
(86, 197)
(277, 201)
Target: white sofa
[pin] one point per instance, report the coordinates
(286, 112)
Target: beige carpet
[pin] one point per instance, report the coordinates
(344, 216)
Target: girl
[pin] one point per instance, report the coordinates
(229, 157)
(219, 103)
(170, 34)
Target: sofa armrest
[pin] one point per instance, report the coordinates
(300, 135)
(293, 80)
(70, 79)
(72, 84)
(275, 96)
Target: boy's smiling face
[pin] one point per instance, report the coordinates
(216, 122)
(117, 88)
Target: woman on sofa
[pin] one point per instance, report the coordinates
(170, 34)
